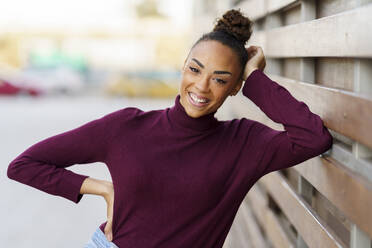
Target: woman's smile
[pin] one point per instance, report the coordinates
(197, 101)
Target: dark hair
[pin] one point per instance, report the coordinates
(232, 30)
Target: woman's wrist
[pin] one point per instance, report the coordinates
(108, 192)
(97, 187)
(248, 72)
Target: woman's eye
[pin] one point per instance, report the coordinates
(193, 69)
(220, 81)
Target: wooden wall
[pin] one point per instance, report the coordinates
(321, 51)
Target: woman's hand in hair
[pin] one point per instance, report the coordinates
(256, 60)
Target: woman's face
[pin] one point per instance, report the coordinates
(210, 74)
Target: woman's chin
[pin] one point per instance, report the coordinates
(194, 114)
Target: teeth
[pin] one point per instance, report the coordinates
(197, 99)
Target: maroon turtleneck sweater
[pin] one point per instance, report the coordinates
(178, 180)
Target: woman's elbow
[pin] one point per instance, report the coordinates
(14, 168)
(325, 142)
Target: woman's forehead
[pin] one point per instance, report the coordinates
(213, 53)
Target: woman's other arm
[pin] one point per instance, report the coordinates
(43, 165)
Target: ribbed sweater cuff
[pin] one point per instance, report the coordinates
(71, 186)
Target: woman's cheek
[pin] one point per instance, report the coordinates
(191, 75)
(188, 77)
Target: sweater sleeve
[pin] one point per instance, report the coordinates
(304, 135)
(43, 165)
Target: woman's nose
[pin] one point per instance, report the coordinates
(203, 84)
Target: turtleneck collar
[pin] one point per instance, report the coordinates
(178, 115)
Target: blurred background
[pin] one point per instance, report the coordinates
(119, 48)
(64, 63)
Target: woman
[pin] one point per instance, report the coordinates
(179, 174)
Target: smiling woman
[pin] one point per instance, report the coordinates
(179, 174)
(207, 77)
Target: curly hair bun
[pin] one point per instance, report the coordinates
(234, 23)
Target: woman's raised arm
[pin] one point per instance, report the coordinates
(304, 137)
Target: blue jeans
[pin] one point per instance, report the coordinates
(99, 240)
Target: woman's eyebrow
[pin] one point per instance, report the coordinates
(215, 72)
(198, 62)
(222, 72)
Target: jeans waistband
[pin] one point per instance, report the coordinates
(99, 240)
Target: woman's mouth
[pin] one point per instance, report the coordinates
(196, 101)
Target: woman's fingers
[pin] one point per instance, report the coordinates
(254, 51)
(256, 59)
(108, 227)
(251, 48)
(251, 51)
(110, 210)
(108, 230)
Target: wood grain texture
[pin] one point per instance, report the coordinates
(338, 35)
(349, 192)
(267, 219)
(313, 230)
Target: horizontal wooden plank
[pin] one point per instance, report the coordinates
(345, 112)
(312, 229)
(258, 202)
(253, 9)
(275, 5)
(245, 218)
(233, 239)
(242, 233)
(257, 39)
(349, 192)
(333, 216)
(267, 219)
(332, 7)
(340, 35)
(344, 154)
(256, 9)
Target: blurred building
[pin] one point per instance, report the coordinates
(90, 40)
